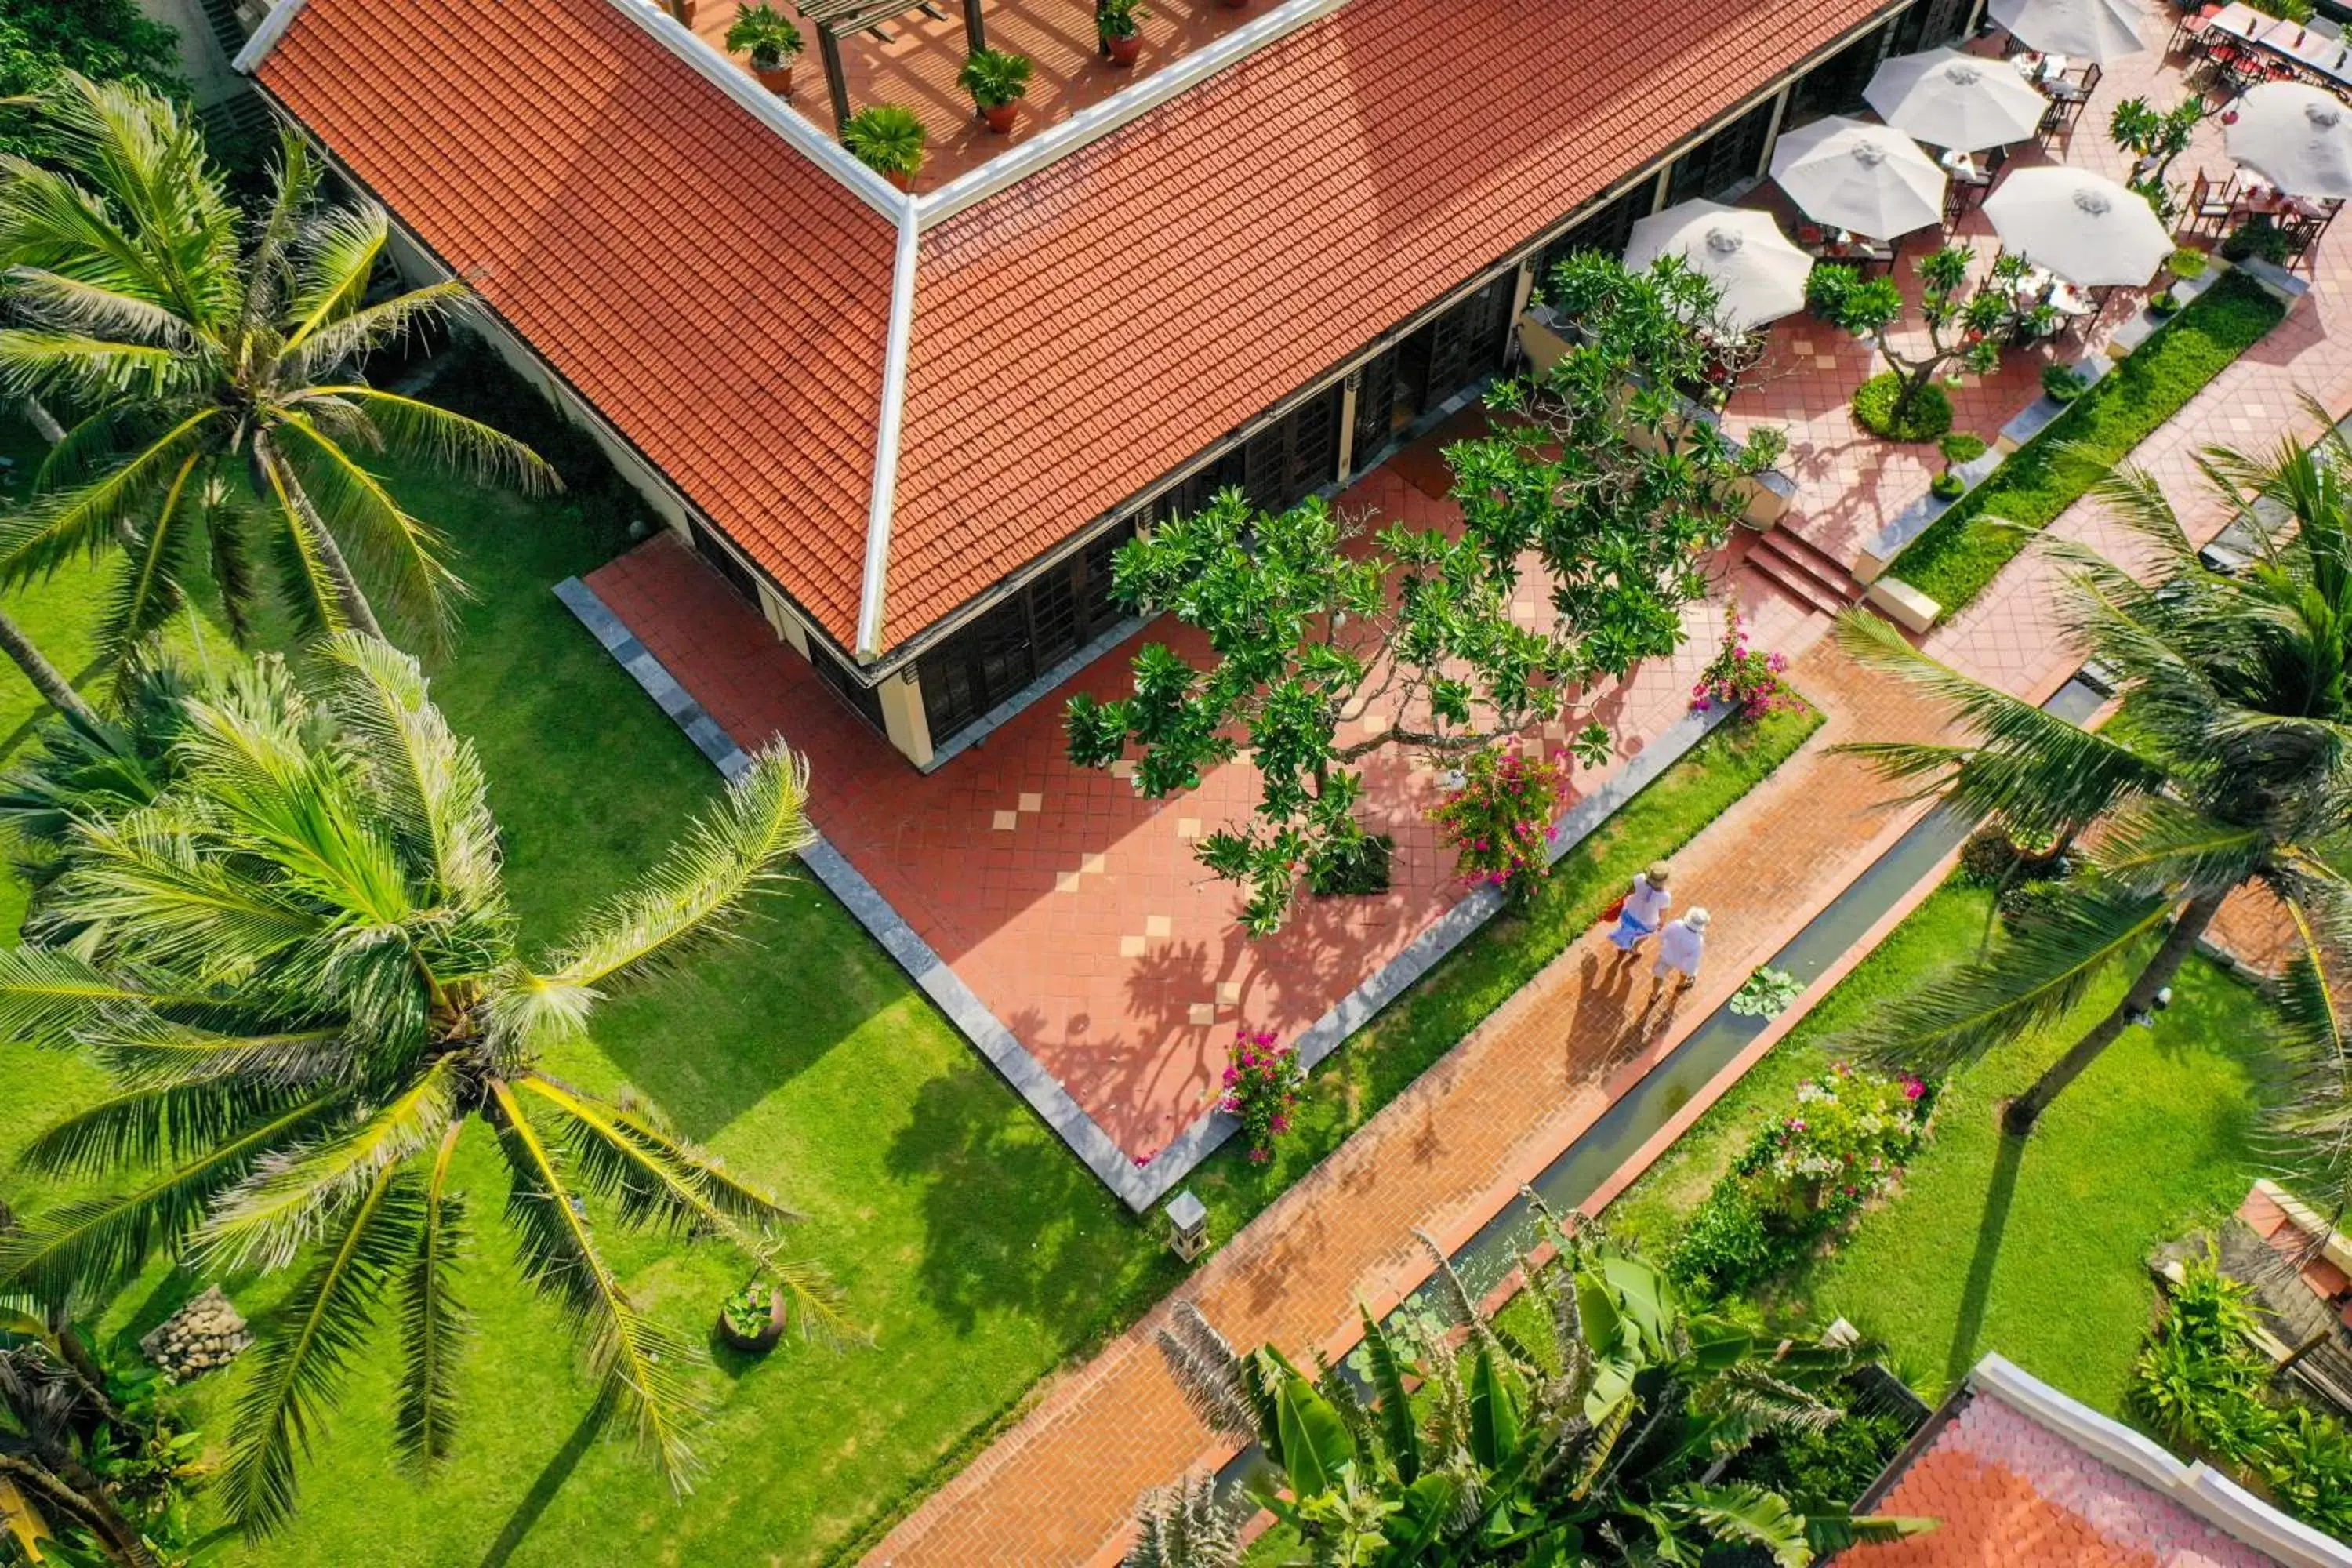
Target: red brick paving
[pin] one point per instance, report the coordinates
(1069, 904)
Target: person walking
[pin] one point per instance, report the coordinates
(1642, 909)
(1680, 947)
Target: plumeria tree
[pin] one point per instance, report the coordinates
(2156, 137)
(1965, 329)
(1331, 636)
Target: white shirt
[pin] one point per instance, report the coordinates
(1645, 903)
(1679, 947)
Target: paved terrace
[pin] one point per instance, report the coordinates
(1072, 907)
(917, 68)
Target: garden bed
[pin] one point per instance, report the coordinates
(1964, 549)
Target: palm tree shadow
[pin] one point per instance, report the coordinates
(552, 1479)
(1977, 1292)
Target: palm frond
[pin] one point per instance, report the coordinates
(302, 1357)
(55, 528)
(427, 781)
(433, 1324)
(686, 902)
(641, 1366)
(49, 994)
(2040, 971)
(315, 598)
(70, 307)
(400, 555)
(149, 589)
(467, 447)
(2314, 1030)
(148, 880)
(2157, 844)
(146, 1051)
(1746, 1515)
(338, 256)
(328, 348)
(143, 1126)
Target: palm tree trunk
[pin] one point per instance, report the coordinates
(117, 1536)
(53, 688)
(2181, 940)
(330, 551)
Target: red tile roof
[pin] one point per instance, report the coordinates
(1074, 337)
(720, 298)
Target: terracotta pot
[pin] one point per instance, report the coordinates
(688, 11)
(1123, 51)
(999, 116)
(777, 80)
(904, 181)
(769, 1332)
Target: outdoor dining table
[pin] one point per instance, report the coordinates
(2298, 44)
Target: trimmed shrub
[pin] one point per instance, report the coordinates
(1930, 415)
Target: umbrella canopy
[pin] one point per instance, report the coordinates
(2088, 229)
(2101, 30)
(1853, 176)
(2296, 137)
(1759, 274)
(1948, 99)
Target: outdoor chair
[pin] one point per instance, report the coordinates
(2209, 205)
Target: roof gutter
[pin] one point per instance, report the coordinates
(265, 37)
(1092, 124)
(886, 438)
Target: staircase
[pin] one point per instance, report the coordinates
(1812, 577)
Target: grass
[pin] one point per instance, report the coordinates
(981, 1254)
(1964, 549)
(2035, 1250)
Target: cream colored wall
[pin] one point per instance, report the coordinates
(202, 60)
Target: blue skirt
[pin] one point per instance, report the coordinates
(1629, 932)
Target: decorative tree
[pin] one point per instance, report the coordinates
(2156, 137)
(1315, 621)
(1965, 333)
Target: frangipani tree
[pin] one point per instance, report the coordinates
(291, 949)
(1964, 331)
(1595, 473)
(207, 367)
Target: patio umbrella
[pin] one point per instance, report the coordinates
(2296, 137)
(2085, 229)
(2101, 30)
(1948, 99)
(1853, 176)
(1760, 275)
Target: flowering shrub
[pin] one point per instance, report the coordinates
(1803, 1178)
(1739, 677)
(1263, 1078)
(1499, 822)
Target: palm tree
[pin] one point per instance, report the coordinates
(210, 368)
(1603, 1443)
(297, 959)
(46, 679)
(2225, 766)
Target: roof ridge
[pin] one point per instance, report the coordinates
(884, 498)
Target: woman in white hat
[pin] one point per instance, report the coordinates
(1681, 946)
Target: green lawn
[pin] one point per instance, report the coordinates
(1963, 549)
(978, 1250)
(2035, 1251)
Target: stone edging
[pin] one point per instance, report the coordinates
(1138, 1186)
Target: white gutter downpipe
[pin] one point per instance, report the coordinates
(265, 37)
(885, 437)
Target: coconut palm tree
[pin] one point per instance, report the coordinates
(1601, 1443)
(209, 365)
(2225, 766)
(297, 959)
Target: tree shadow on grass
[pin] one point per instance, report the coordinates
(2001, 1190)
(1012, 1220)
(552, 1480)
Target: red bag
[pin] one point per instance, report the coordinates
(1613, 910)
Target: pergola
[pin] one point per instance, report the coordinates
(834, 18)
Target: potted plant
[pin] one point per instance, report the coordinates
(686, 11)
(2061, 385)
(888, 140)
(752, 1319)
(768, 35)
(1957, 447)
(998, 80)
(1118, 24)
(2182, 265)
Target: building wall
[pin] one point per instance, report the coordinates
(204, 51)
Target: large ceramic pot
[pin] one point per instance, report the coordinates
(769, 1332)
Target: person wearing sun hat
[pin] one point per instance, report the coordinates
(1642, 911)
(1681, 946)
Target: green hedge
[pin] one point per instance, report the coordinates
(1963, 550)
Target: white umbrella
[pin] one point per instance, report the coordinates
(2086, 228)
(1854, 176)
(2100, 30)
(2296, 137)
(1948, 99)
(1760, 276)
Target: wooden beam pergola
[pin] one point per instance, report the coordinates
(835, 19)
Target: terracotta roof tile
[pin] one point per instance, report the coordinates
(718, 297)
(1083, 333)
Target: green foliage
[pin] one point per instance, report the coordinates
(2202, 1388)
(106, 40)
(1313, 618)
(2257, 237)
(2063, 383)
(2187, 262)
(1960, 447)
(749, 1311)
(1961, 550)
(1262, 1081)
(1927, 416)
(767, 35)
(887, 138)
(1499, 822)
(995, 78)
(1594, 1418)
(1118, 18)
(1947, 485)
(1828, 1466)
(1767, 994)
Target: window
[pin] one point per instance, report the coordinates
(1607, 230)
(727, 563)
(991, 658)
(864, 699)
(1724, 159)
(1834, 86)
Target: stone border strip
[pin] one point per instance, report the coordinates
(1138, 1186)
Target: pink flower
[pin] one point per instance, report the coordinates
(1912, 1088)
(1141, 1160)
